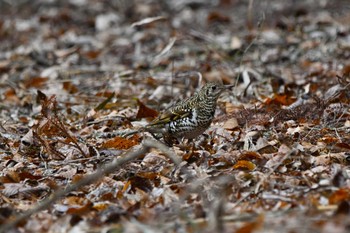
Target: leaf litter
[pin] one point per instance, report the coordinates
(75, 73)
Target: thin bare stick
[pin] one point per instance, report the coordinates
(149, 143)
(128, 156)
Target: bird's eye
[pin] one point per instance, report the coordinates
(213, 88)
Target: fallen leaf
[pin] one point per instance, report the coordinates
(147, 21)
(121, 143)
(145, 112)
(70, 87)
(35, 82)
(231, 124)
(244, 165)
(339, 196)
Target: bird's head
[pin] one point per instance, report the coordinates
(213, 90)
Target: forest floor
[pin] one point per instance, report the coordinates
(75, 73)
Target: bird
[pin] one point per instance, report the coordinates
(189, 118)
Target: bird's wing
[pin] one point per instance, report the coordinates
(170, 115)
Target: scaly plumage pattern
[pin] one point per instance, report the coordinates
(191, 117)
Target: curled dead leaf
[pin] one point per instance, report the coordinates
(250, 155)
(244, 165)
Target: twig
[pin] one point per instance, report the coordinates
(150, 143)
(128, 156)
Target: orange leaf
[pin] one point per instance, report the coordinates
(148, 175)
(252, 226)
(126, 186)
(328, 139)
(283, 99)
(339, 196)
(35, 82)
(100, 206)
(11, 95)
(346, 69)
(121, 143)
(244, 165)
(81, 209)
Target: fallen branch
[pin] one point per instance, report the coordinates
(109, 168)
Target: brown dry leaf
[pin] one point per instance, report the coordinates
(11, 177)
(106, 94)
(75, 205)
(217, 17)
(141, 183)
(76, 178)
(148, 175)
(11, 95)
(5, 64)
(343, 145)
(329, 139)
(244, 165)
(100, 206)
(48, 129)
(346, 70)
(36, 82)
(121, 143)
(6, 179)
(25, 175)
(339, 196)
(81, 209)
(251, 227)
(70, 87)
(231, 124)
(145, 112)
(251, 155)
(92, 54)
(126, 187)
(280, 100)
